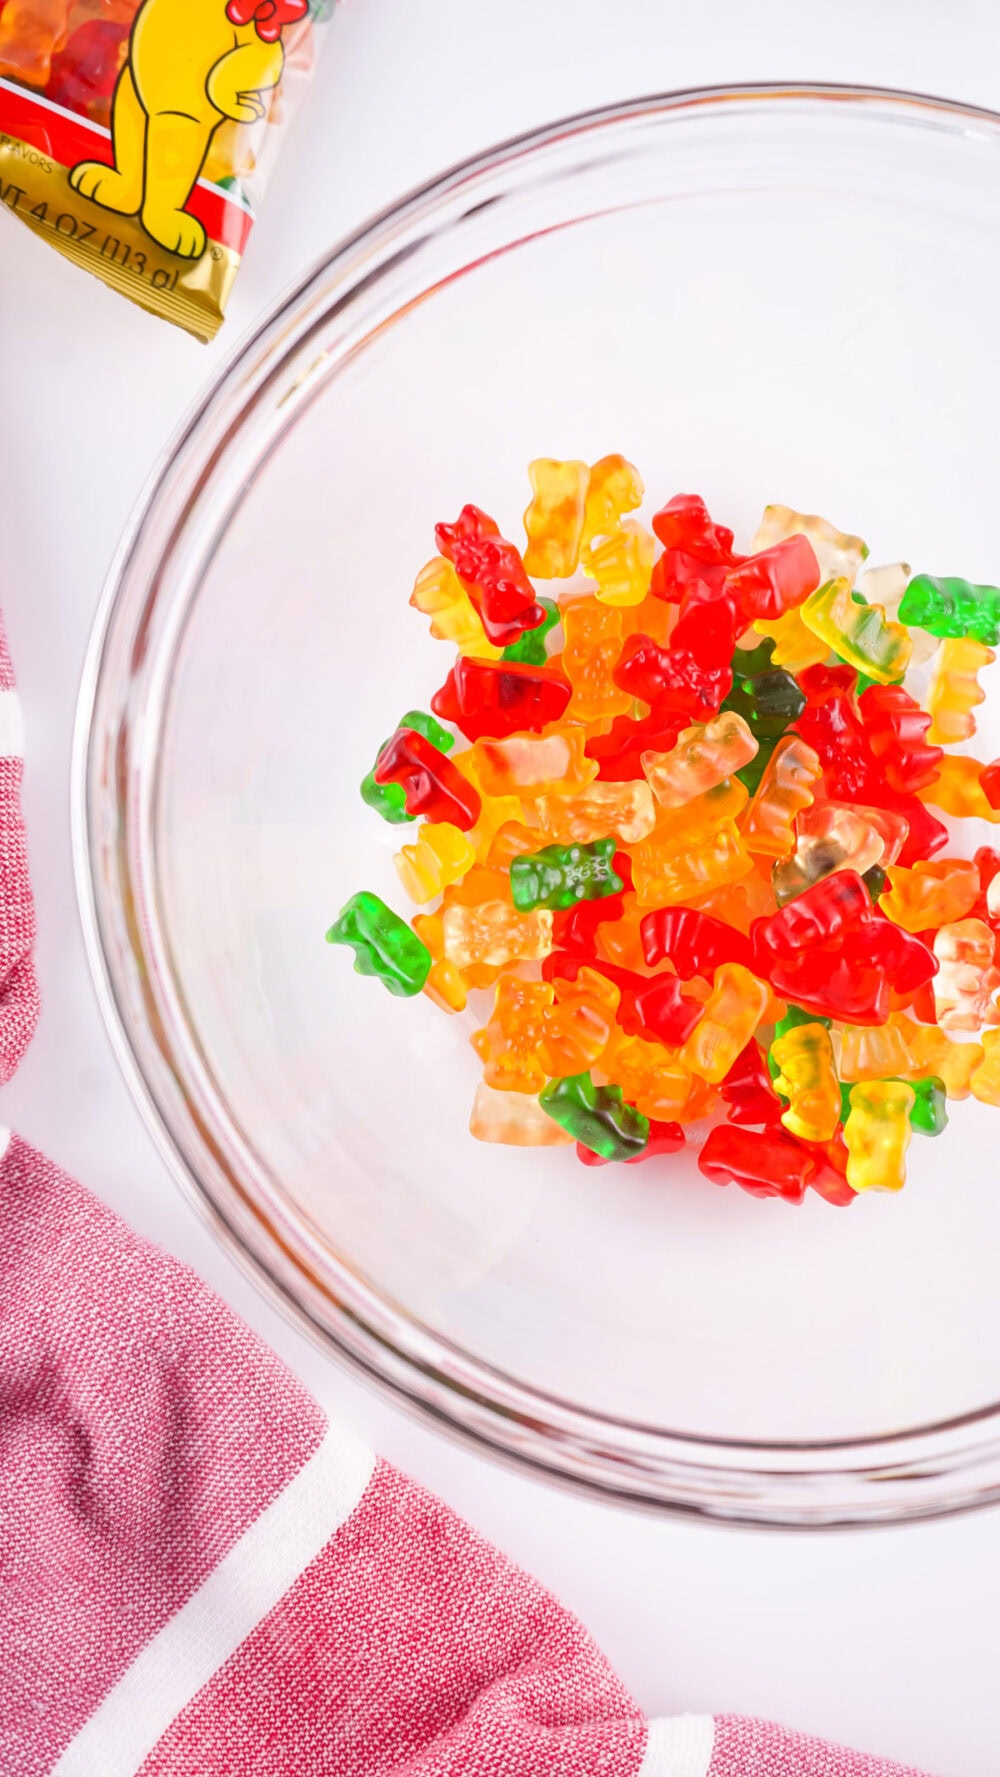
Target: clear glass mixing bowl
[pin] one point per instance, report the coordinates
(761, 294)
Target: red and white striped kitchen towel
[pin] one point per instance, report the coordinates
(18, 991)
(199, 1577)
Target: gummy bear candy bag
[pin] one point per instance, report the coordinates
(135, 135)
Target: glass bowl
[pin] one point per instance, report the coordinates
(757, 294)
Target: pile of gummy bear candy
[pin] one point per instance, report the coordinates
(690, 842)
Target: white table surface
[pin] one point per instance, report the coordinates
(886, 1640)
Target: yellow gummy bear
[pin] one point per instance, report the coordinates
(442, 855)
(877, 1134)
(615, 488)
(807, 1077)
(985, 1082)
(439, 594)
(858, 633)
(933, 1052)
(554, 520)
(958, 791)
(622, 565)
(795, 646)
(954, 690)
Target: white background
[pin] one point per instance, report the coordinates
(887, 1640)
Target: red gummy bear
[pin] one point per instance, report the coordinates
(493, 574)
(496, 698)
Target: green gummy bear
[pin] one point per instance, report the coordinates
(796, 1015)
(559, 876)
(429, 727)
(383, 944)
(928, 1115)
(748, 662)
(596, 1116)
(952, 608)
(863, 681)
(769, 701)
(389, 800)
(530, 647)
(751, 773)
(874, 881)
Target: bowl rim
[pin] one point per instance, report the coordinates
(933, 1469)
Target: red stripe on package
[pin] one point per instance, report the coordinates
(47, 130)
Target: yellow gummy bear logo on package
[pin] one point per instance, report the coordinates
(132, 142)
